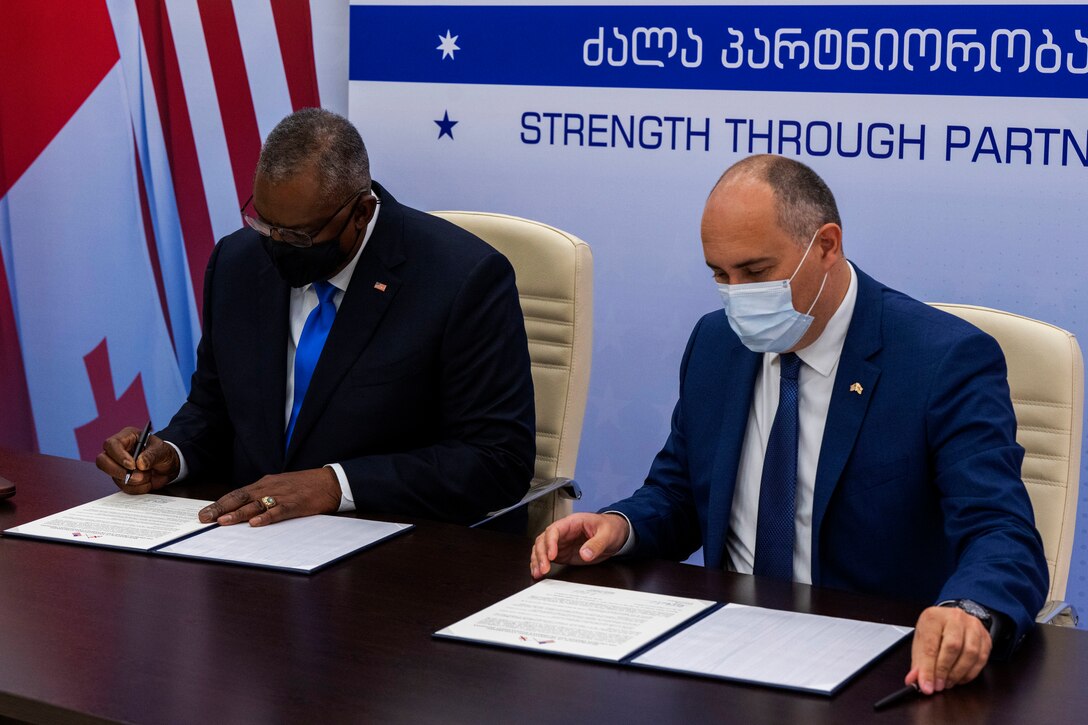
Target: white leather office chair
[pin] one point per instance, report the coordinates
(555, 283)
(1046, 379)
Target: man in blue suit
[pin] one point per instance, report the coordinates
(356, 354)
(833, 431)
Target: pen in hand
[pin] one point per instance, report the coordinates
(896, 697)
(141, 444)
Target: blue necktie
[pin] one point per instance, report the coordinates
(778, 490)
(309, 347)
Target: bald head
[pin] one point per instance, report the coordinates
(770, 219)
(802, 200)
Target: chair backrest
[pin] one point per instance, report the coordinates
(555, 283)
(1046, 379)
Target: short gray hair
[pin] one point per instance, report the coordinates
(322, 138)
(804, 201)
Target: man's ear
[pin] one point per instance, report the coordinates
(364, 212)
(829, 243)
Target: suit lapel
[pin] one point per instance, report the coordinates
(270, 364)
(743, 365)
(372, 289)
(847, 408)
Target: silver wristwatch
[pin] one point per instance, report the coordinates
(975, 609)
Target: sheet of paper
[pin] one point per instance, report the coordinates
(577, 619)
(130, 522)
(771, 647)
(302, 544)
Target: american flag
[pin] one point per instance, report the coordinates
(129, 130)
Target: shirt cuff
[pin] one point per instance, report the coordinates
(347, 502)
(629, 545)
(183, 470)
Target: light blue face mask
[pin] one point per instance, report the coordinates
(762, 313)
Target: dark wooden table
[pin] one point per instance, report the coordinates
(91, 635)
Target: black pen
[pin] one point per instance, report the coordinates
(897, 696)
(141, 443)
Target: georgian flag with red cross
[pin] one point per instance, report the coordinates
(129, 131)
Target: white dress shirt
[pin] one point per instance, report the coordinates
(820, 363)
(303, 302)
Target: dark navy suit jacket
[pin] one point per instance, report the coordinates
(918, 492)
(423, 391)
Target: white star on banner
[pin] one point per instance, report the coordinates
(448, 45)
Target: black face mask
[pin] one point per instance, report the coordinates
(300, 266)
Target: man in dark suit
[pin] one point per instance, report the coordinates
(356, 353)
(833, 431)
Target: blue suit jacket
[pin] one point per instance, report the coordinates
(423, 391)
(918, 492)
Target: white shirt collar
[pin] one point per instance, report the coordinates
(822, 355)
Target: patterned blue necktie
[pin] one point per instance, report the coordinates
(309, 347)
(778, 490)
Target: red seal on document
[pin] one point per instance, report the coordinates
(534, 640)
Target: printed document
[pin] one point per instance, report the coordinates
(577, 619)
(167, 524)
(121, 520)
(771, 647)
(303, 544)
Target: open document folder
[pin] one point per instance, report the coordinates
(735, 642)
(169, 525)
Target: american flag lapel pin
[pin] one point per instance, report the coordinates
(380, 286)
(856, 388)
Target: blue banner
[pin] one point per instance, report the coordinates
(960, 50)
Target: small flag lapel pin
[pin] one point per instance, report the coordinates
(380, 286)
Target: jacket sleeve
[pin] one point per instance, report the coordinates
(662, 512)
(975, 463)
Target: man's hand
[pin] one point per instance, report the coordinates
(300, 493)
(950, 648)
(578, 539)
(157, 466)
